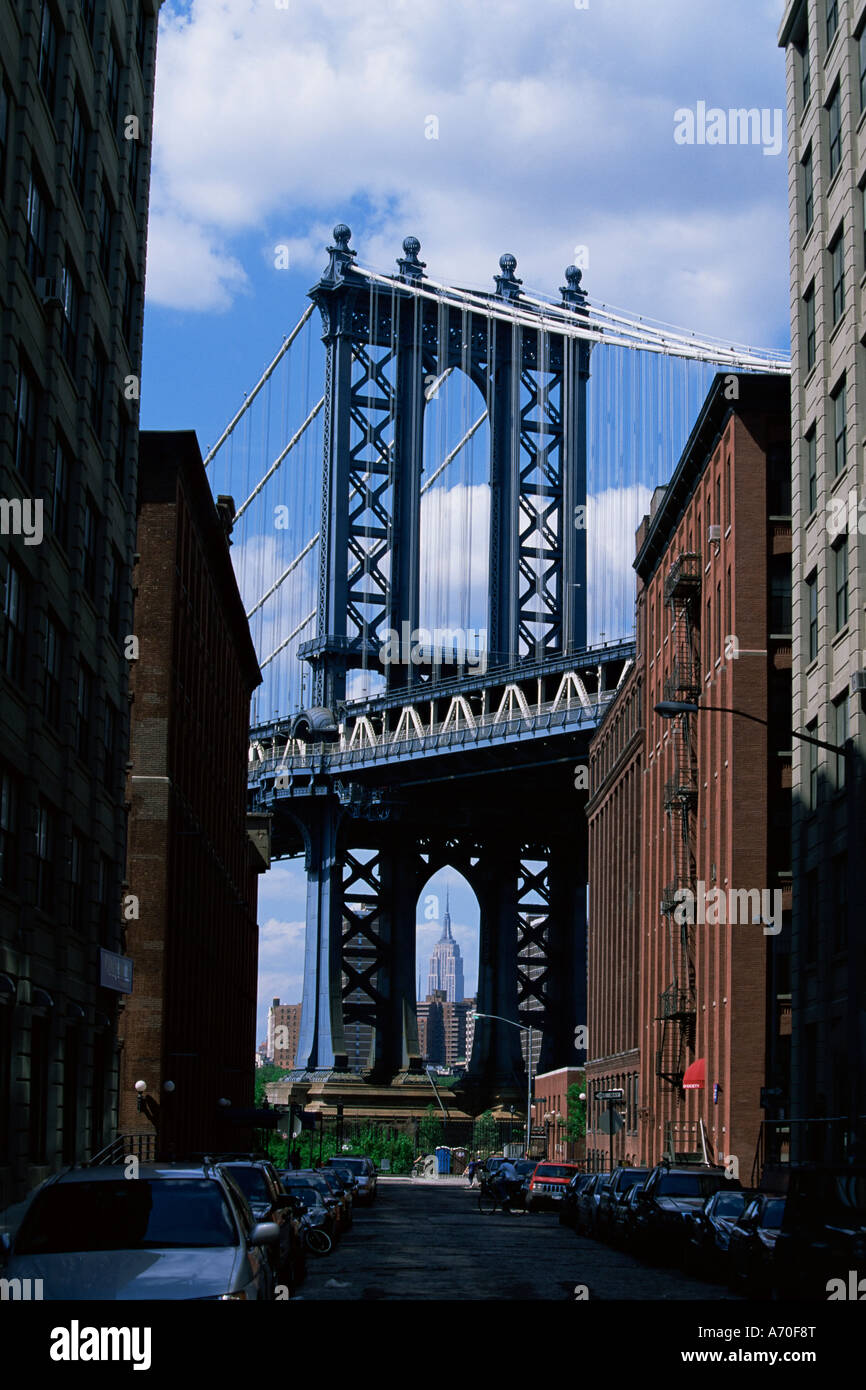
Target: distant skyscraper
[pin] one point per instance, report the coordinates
(446, 963)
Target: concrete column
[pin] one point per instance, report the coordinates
(322, 1040)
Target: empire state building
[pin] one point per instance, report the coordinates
(446, 963)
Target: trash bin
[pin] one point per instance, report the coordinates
(443, 1161)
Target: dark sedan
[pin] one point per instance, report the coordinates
(752, 1245)
(568, 1205)
(708, 1233)
(666, 1198)
(623, 1221)
(312, 1203)
(587, 1203)
(614, 1193)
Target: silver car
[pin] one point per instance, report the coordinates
(362, 1169)
(165, 1233)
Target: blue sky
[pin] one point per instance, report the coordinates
(555, 131)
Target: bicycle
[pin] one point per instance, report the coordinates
(490, 1201)
(316, 1240)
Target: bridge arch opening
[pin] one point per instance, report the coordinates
(447, 940)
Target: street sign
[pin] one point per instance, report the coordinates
(115, 972)
(609, 1095)
(610, 1122)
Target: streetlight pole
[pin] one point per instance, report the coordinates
(524, 1028)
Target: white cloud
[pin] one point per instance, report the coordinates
(555, 126)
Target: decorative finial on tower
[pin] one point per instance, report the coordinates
(410, 266)
(572, 294)
(340, 253)
(507, 284)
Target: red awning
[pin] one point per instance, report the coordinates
(696, 1075)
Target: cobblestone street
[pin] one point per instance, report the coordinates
(427, 1240)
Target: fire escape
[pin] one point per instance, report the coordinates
(677, 1008)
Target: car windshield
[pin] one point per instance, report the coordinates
(688, 1185)
(631, 1178)
(525, 1166)
(553, 1170)
(252, 1183)
(773, 1213)
(307, 1196)
(353, 1165)
(166, 1213)
(311, 1180)
(729, 1204)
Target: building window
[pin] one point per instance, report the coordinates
(106, 217)
(132, 168)
(53, 671)
(78, 150)
(808, 190)
(37, 223)
(840, 734)
(840, 430)
(837, 274)
(115, 587)
(76, 881)
(128, 310)
(26, 401)
(88, 17)
(780, 594)
(812, 731)
(70, 297)
(15, 610)
(834, 117)
(840, 570)
(812, 469)
(778, 480)
(5, 108)
(122, 451)
(98, 378)
(38, 1098)
(809, 310)
(83, 706)
(811, 915)
(812, 608)
(807, 71)
(8, 831)
(60, 495)
(89, 542)
(45, 837)
(832, 20)
(840, 902)
(112, 83)
(109, 743)
(48, 55)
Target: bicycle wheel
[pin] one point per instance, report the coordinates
(318, 1241)
(487, 1201)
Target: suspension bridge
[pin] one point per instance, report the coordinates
(433, 543)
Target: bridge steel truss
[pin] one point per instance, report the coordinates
(455, 767)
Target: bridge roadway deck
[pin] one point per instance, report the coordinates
(426, 1240)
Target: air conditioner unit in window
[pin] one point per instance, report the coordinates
(858, 682)
(714, 534)
(48, 289)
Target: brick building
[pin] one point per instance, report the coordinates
(193, 852)
(284, 1022)
(550, 1112)
(714, 614)
(616, 777)
(442, 1028)
(73, 217)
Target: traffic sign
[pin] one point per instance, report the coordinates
(610, 1122)
(609, 1095)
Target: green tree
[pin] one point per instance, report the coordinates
(485, 1134)
(576, 1125)
(430, 1131)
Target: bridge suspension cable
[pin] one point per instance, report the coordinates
(473, 429)
(281, 457)
(285, 574)
(268, 372)
(286, 640)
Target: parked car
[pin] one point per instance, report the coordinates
(342, 1189)
(360, 1167)
(568, 1205)
(587, 1203)
(823, 1231)
(753, 1243)
(170, 1233)
(311, 1202)
(708, 1232)
(260, 1183)
(668, 1195)
(623, 1220)
(309, 1177)
(548, 1183)
(614, 1192)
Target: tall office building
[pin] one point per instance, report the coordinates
(446, 962)
(825, 42)
(76, 107)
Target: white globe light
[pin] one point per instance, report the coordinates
(141, 1086)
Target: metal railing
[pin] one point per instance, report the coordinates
(141, 1145)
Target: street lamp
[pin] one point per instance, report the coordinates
(673, 709)
(524, 1028)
